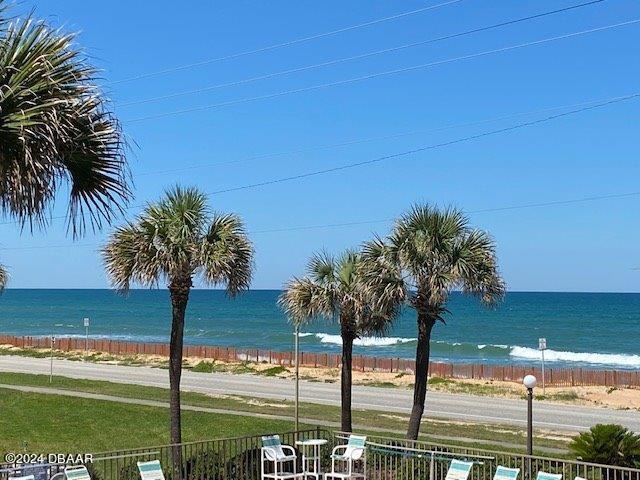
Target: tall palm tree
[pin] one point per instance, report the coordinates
(429, 253)
(55, 128)
(332, 290)
(175, 240)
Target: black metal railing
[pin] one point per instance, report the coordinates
(390, 458)
(387, 458)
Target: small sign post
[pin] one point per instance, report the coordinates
(542, 346)
(53, 342)
(86, 334)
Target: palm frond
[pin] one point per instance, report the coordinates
(475, 264)
(131, 256)
(438, 251)
(322, 267)
(4, 274)
(172, 239)
(382, 284)
(335, 289)
(304, 300)
(226, 254)
(56, 128)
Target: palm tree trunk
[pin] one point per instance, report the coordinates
(179, 291)
(346, 376)
(425, 325)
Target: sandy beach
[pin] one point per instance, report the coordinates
(600, 396)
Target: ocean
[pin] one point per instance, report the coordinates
(592, 330)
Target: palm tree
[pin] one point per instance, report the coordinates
(608, 445)
(332, 290)
(429, 253)
(175, 240)
(55, 129)
(4, 277)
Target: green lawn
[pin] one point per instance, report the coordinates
(53, 423)
(205, 425)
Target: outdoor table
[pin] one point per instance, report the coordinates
(311, 463)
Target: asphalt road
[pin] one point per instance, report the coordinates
(439, 405)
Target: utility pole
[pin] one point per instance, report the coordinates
(297, 360)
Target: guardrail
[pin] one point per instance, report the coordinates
(559, 377)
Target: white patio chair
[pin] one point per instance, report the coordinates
(77, 472)
(505, 473)
(342, 464)
(273, 453)
(151, 470)
(548, 476)
(458, 470)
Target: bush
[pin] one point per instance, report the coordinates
(245, 466)
(203, 465)
(608, 444)
(273, 371)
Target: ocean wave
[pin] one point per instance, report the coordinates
(580, 357)
(482, 346)
(362, 341)
(306, 334)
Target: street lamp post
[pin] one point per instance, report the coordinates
(529, 382)
(297, 389)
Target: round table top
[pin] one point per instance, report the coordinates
(312, 441)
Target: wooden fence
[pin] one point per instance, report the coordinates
(559, 377)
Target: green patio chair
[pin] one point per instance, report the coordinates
(505, 473)
(280, 457)
(151, 470)
(77, 472)
(342, 464)
(458, 470)
(548, 476)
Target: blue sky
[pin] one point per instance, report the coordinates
(590, 246)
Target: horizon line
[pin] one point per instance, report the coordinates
(280, 289)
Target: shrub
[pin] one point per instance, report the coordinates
(273, 371)
(609, 445)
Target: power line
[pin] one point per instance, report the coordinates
(284, 44)
(592, 198)
(42, 247)
(590, 105)
(484, 210)
(356, 141)
(421, 149)
(379, 74)
(355, 57)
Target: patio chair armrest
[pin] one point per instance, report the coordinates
(291, 449)
(270, 454)
(335, 450)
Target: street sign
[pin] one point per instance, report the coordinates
(86, 321)
(542, 346)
